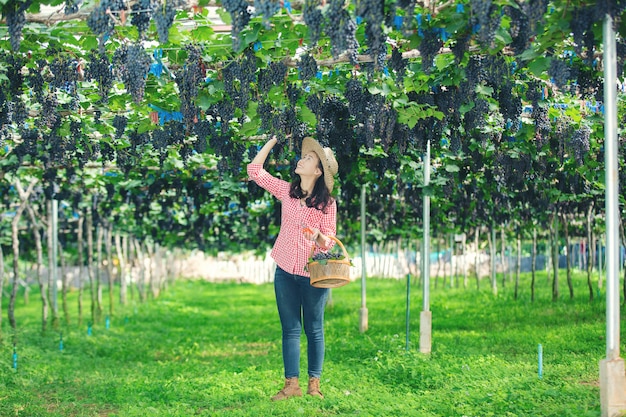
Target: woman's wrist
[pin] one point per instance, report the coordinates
(321, 240)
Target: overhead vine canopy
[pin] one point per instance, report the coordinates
(149, 110)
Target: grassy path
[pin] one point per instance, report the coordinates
(206, 349)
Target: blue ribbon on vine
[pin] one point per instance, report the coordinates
(158, 67)
(166, 116)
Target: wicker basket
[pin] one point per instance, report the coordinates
(332, 274)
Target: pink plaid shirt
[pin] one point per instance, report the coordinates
(291, 250)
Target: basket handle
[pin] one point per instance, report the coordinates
(345, 253)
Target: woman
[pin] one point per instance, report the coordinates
(309, 216)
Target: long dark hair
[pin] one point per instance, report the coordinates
(320, 198)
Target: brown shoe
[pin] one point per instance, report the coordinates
(314, 387)
(291, 389)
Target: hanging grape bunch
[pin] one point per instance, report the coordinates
(28, 146)
(73, 139)
(314, 19)
(579, 143)
(342, 31)
(58, 149)
(142, 12)
(98, 69)
(559, 72)
(236, 84)
(225, 110)
(85, 151)
(238, 75)
(100, 20)
(356, 97)
(203, 130)
(563, 131)
(293, 93)
(50, 184)
(12, 107)
(273, 75)
(65, 77)
(542, 124)
(397, 64)
(265, 110)
(119, 123)
(372, 11)
(284, 123)
(15, 14)
(132, 64)
(485, 19)
(307, 67)
(36, 80)
(240, 16)
(535, 11)
(49, 115)
(188, 79)
(163, 16)
(107, 152)
(429, 47)
(510, 105)
(520, 29)
(267, 9)
(72, 6)
(581, 25)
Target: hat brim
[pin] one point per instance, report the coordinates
(311, 145)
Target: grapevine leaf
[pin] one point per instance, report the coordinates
(484, 90)
(118, 103)
(205, 100)
(443, 61)
(383, 89)
(529, 54)
(308, 116)
(428, 190)
(249, 128)
(452, 168)
(539, 66)
(375, 151)
(248, 36)
(410, 112)
(202, 33)
(503, 36)
(466, 107)
(224, 15)
(144, 126)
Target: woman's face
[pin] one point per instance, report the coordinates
(309, 165)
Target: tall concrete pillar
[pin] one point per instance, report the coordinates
(612, 375)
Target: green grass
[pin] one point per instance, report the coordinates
(205, 349)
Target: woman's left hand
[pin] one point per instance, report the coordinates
(311, 233)
(315, 235)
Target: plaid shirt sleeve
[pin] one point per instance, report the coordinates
(277, 187)
(328, 224)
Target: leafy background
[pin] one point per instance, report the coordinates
(147, 112)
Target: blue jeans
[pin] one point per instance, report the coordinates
(297, 300)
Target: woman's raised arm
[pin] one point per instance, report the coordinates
(261, 156)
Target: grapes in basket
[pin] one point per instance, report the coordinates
(323, 257)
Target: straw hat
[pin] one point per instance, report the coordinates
(326, 156)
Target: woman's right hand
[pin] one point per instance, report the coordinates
(261, 156)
